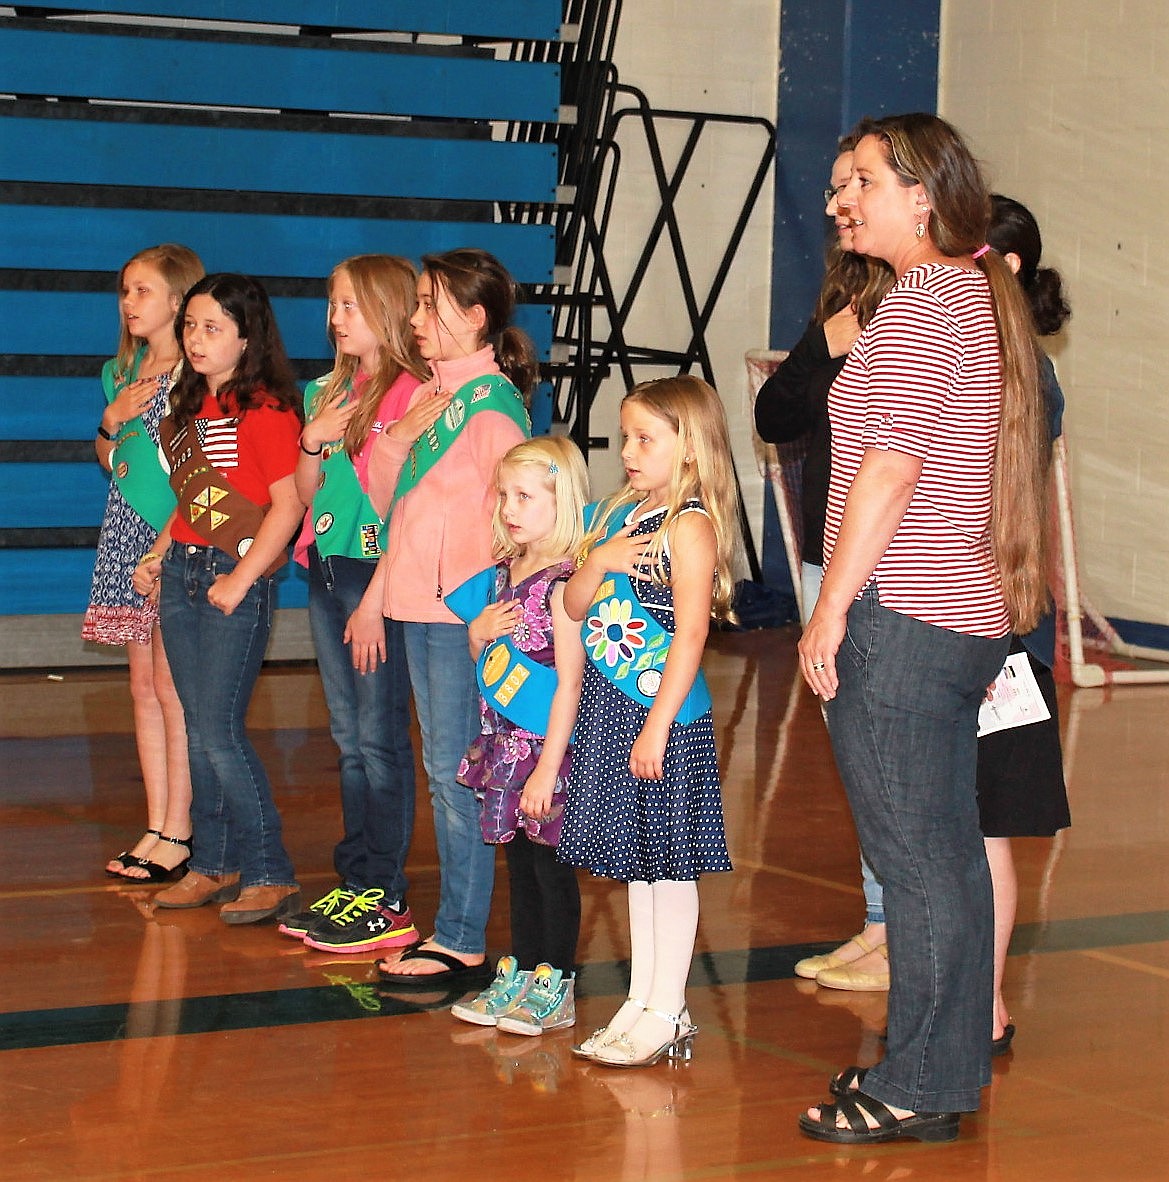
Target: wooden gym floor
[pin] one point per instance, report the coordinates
(137, 1045)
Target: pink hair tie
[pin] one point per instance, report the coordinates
(981, 251)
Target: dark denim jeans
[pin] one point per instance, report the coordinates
(446, 697)
(369, 718)
(903, 727)
(215, 660)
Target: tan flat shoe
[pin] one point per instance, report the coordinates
(812, 966)
(858, 980)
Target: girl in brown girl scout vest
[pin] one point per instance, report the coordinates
(231, 443)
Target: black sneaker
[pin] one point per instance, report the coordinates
(298, 925)
(365, 924)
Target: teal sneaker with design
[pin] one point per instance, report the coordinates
(548, 1004)
(505, 991)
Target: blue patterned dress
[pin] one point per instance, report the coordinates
(117, 614)
(633, 830)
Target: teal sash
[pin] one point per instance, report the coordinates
(628, 646)
(134, 463)
(344, 521)
(510, 681)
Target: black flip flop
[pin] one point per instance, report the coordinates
(455, 969)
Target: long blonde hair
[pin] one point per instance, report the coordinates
(922, 148)
(561, 470)
(385, 287)
(693, 409)
(180, 267)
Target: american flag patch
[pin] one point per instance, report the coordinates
(218, 439)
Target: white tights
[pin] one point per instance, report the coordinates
(663, 923)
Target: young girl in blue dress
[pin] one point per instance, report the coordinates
(137, 383)
(530, 663)
(644, 801)
(361, 655)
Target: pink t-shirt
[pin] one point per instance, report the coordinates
(440, 531)
(924, 378)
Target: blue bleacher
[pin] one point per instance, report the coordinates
(318, 148)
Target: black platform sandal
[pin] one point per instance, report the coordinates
(155, 872)
(918, 1126)
(127, 858)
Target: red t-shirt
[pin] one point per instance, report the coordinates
(252, 452)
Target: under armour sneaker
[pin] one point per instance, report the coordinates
(323, 909)
(499, 997)
(548, 1004)
(364, 924)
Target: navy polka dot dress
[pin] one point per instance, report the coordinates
(618, 826)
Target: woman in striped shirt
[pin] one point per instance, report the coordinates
(933, 546)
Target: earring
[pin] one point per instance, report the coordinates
(920, 231)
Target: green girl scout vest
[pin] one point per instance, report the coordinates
(344, 521)
(134, 462)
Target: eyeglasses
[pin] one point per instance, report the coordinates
(832, 192)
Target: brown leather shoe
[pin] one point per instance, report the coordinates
(195, 889)
(256, 903)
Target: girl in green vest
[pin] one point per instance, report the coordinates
(377, 369)
(136, 384)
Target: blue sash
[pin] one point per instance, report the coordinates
(629, 647)
(510, 681)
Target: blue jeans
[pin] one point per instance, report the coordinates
(811, 580)
(874, 895)
(446, 697)
(215, 660)
(903, 727)
(369, 718)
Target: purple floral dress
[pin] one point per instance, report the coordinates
(499, 762)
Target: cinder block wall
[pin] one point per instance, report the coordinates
(691, 55)
(1066, 102)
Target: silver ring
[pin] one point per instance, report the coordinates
(817, 666)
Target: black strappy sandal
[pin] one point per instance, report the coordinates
(848, 1081)
(155, 871)
(919, 1126)
(127, 858)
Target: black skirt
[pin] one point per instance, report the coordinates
(1021, 790)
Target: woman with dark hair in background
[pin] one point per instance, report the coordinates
(793, 404)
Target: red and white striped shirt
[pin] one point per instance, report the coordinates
(924, 378)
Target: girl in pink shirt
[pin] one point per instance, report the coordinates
(433, 472)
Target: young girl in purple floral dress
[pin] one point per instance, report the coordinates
(530, 664)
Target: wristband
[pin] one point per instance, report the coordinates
(311, 453)
(105, 434)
